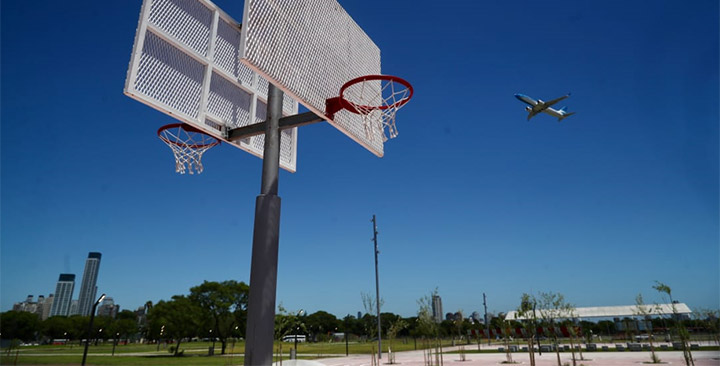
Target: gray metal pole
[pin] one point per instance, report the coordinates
(266, 233)
(87, 341)
(377, 288)
(92, 317)
(487, 321)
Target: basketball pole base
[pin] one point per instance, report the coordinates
(263, 281)
(260, 329)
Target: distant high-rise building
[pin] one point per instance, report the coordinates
(40, 306)
(88, 287)
(63, 295)
(27, 306)
(47, 306)
(108, 308)
(74, 308)
(437, 311)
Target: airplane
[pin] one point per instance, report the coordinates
(537, 106)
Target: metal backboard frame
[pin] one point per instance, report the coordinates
(309, 49)
(185, 63)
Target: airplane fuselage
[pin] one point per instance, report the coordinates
(536, 106)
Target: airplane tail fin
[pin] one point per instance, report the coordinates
(563, 109)
(566, 115)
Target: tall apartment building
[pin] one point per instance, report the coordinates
(437, 308)
(63, 295)
(88, 287)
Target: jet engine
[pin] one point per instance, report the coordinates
(528, 108)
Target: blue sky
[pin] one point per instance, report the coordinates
(470, 198)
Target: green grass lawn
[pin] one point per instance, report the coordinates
(120, 360)
(194, 353)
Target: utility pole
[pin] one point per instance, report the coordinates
(487, 323)
(377, 287)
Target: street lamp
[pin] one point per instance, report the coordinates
(297, 328)
(162, 329)
(92, 318)
(346, 335)
(117, 335)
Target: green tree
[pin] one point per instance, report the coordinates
(321, 323)
(395, 327)
(289, 322)
(102, 327)
(710, 321)
(447, 328)
(57, 327)
(552, 307)
(352, 325)
(125, 325)
(607, 327)
(527, 312)
(178, 318)
(429, 330)
(370, 320)
(127, 328)
(79, 326)
(224, 303)
(386, 320)
(683, 333)
(645, 312)
(19, 325)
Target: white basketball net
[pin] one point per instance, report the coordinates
(377, 101)
(188, 148)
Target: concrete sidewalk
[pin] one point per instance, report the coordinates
(416, 358)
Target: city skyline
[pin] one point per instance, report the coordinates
(470, 198)
(63, 301)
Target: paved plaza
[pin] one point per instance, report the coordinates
(417, 358)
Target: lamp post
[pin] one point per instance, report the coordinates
(297, 329)
(162, 329)
(92, 318)
(117, 335)
(300, 313)
(347, 353)
(377, 288)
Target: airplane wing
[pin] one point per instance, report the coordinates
(549, 103)
(532, 113)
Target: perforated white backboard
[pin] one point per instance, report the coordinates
(310, 48)
(185, 62)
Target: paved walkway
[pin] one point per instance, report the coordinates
(416, 358)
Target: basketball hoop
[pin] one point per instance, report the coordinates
(376, 98)
(188, 145)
